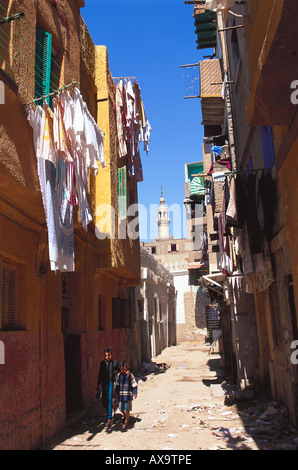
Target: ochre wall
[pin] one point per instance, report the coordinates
(288, 175)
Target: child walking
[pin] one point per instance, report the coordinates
(126, 389)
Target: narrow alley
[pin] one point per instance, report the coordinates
(185, 402)
(148, 211)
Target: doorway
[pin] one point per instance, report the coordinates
(72, 354)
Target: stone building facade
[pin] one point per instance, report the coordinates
(54, 326)
(180, 258)
(156, 298)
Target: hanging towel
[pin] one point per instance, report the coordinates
(219, 4)
(59, 217)
(120, 119)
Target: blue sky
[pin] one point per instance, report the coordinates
(149, 40)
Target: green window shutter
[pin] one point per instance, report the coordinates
(43, 63)
(122, 193)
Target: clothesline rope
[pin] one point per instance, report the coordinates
(55, 92)
(7, 19)
(124, 78)
(233, 172)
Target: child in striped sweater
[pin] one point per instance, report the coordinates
(126, 390)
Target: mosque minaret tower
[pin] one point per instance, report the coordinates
(163, 220)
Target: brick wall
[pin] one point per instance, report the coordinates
(195, 314)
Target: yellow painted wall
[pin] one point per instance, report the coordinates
(260, 29)
(288, 177)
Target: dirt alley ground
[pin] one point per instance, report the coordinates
(178, 408)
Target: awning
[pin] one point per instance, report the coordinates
(212, 104)
(212, 281)
(196, 186)
(195, 265)
(206, 29)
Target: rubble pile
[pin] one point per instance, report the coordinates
(265, 423)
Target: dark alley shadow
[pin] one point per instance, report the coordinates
(264, 421)
(115, 427)
(94, 422)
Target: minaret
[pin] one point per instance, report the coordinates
(163, 220)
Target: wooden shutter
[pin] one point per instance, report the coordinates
(8, 280)
(122, 193)
(43, 64)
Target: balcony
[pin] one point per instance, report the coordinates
(213, 105)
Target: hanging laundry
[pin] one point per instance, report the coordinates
(217, 5)
(35, 118)
(46, 147)
(224, 88)
(67, 142)
(216, 149)
(61, 138)
(59, 217)
(120, 119)
(146, 135)
(140, 111)
(268, 196)
(130, 117)
(225, 263)
(133, 126)
(251, 214)
(265, 277)
(224, 163)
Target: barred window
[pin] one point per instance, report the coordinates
(8, 289)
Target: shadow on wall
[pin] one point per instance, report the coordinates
(202, 301)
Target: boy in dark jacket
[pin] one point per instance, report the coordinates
(108, 370)
(126, 389)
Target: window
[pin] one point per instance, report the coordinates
(120, 313)
(153, 250)
(100, 314)
(8, 289)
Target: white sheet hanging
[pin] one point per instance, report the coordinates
(59, 217)
(63, 169)
(216, 5)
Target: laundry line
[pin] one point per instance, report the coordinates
(232, 172)
(53, 93)
(5, 20)
(124, 78)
